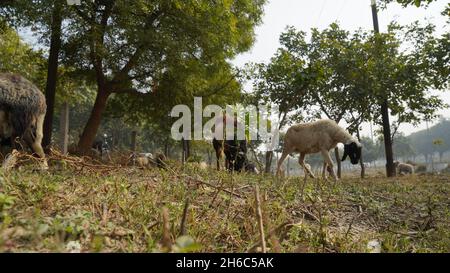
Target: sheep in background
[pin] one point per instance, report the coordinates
(319, 136)
(198, 165)
(403, 168)
(250, 167)
(145, 160)
(203, 165)
(218, 147)
(235, 153)
(235, 150)
(142, 159)
(22, 112)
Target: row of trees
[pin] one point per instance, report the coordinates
(345, 76)
(141, 57)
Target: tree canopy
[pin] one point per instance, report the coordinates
(345, 76)
(134, 47)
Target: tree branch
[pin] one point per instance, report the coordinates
(123, 73)
(217, 89)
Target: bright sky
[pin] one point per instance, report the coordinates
(351, 15)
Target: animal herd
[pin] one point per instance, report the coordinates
(23, 108)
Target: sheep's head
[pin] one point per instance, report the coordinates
(240, 161)
(352, 150)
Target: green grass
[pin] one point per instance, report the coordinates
(120, 211)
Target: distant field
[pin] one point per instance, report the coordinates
(120, 210)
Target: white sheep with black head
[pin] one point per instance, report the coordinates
(319, 137)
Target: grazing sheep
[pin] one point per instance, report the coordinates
(142, 159)
(235, 153)
(250, 167)
(198, 165)
(145, 160)
(203, 165)
(319, 136)
(404, 168)
(22, 112)
(218, 147)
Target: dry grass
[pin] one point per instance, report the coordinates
(77, 207)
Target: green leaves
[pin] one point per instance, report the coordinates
(347, 75)
(405, 3)
(6, 202)
(18, 57)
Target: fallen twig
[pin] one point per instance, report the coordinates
(166, 241)
(215, 187)
(260, 220)
(184, 218)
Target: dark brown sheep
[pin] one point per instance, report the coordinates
(22, 112)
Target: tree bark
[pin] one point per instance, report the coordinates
(133, 140)
(188, 149)
(166, 148)
(338, 162)
(269, 156)
(183, 151)
(93, 123)
(52, 73)
(64, 128)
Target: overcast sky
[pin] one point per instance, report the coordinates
(351, 15)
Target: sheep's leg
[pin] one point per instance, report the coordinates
(280, 162)
(301, 161)
(329, 162)
(37, 143)
(218, 157)
(34, 139)
(324, 174)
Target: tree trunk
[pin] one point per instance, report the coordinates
(52, 73)
(269, 156)
(390, 169)
(133, 140)
(166, 148)
(183, 151)
(338, 162)
(188, 149)
(93, 123)
(64, 128)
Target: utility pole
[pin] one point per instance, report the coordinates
(390, 169)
